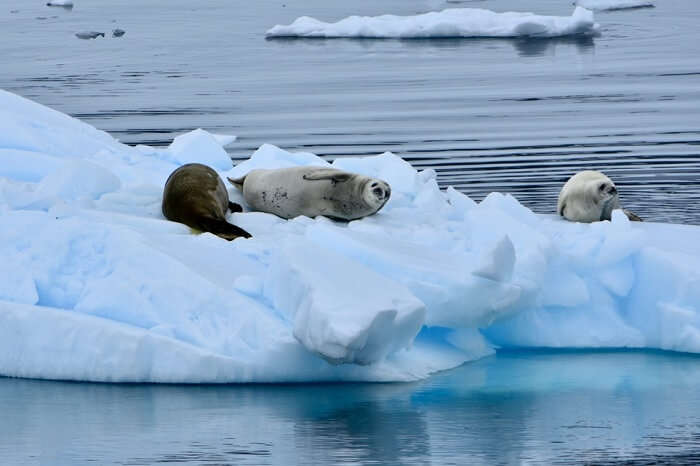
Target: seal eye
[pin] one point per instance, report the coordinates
(373, 185)
(601, 187)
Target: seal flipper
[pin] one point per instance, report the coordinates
(237, 182)
(233, 207)
(222, 229)
(328, 174)
(632, 216)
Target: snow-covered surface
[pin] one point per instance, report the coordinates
(601, 5)
(97, 285)
(453, 22)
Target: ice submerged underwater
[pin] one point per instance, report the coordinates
(98, 286)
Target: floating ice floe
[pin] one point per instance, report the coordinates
(63, 3)
(602, 5)
(89, 34)
(454, 22)
(98, 286)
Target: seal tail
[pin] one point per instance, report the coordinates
(632, 216)
(223, 229)
(237, 182)
(234, 207)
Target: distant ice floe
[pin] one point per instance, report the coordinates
(455, 22)
(63, 3)
(98, 286)
(89, 34)
(602, 5)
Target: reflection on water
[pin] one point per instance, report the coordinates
(513, 408)
(535, 47)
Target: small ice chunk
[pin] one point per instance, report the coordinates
(89, 34)
(200, 146)
(602, 5)
(63, 3)
(224, 139)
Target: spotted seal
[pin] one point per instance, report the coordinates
(313, 191)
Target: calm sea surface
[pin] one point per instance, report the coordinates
(509, 115)
(539, 408)
(516, 116)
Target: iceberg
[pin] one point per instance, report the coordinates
(98, 286)
(603, 5)
(452, 22)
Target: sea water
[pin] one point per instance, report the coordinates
(536, 407)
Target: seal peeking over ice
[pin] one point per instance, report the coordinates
(589, 196)
(313, 191)
(195, 195)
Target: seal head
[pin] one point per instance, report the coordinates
(376, 193)
(589, 196)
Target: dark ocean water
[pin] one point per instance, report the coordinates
(516, 116)
(534, 408)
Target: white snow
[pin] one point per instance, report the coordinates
(97, 285)
(602, 5)
(60, 3)
(453, 22)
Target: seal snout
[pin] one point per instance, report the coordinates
(607, 188)
(380, 190)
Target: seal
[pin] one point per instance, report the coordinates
(589, 196)
(313, 191)
(195, 195)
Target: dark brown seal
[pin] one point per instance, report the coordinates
(195, 195)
